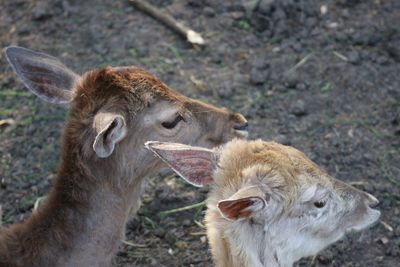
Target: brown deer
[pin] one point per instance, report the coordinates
(269, 205)
(113, 111)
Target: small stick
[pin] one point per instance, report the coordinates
(387, 226)
(168, 212)
(190, 35)
(129, 243)
(300, 63)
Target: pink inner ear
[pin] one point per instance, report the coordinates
(240, 208)
(194, 166)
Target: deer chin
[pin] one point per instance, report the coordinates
(242, 134)
(370, 220)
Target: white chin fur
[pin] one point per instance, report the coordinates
(373, 216)
(243, 134)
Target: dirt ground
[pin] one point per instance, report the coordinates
(327, 83)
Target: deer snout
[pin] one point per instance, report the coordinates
(241, 126)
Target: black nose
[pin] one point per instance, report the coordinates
(242, 127)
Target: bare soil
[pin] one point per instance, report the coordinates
(328, 84)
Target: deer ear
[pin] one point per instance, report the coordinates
(110, 128)
(243, 204)
(43, 75)
(194, 164)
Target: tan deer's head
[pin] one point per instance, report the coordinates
(269, 202)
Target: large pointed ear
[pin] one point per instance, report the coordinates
(110, 128)
(243, 204)
(44, 75)
(194, 164)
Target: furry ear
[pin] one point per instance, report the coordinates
(43, 75)
(194, 164)
(110, 128)
(243, 204)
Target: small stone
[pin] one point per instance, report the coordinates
(383, 240)
(282, 139)
(237, 15)
(354, 57)
(226, 91)
(323, 9)
(186, 222)
(290, 80)
(299, 108)
(41, 11)
(301, 86)
(181, 245)
(258, 77)
(382, 60)
(159, 232)
(203, 239)
(260, 63)
(208, 11)
(217, 57)
(265, 6)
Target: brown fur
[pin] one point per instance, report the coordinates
(83, 218)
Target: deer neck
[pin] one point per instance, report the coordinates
(251, 245)
(83, 219)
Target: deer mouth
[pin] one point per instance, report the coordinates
(242, 130)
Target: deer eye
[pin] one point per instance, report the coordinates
(319, 204)
(172, 124)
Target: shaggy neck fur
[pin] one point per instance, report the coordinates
(83, 219)
(248, 244)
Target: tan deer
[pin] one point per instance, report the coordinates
(269, 205)
(104, 161)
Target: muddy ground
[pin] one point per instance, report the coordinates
(328, 84)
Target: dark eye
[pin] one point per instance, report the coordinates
(172, 124)
(319, 204)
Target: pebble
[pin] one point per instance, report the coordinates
(282, 139)
(42, 11)
(353, 57)
(226, 91)
(299, 108)
(265, 6)
(258, 77)
(290, 80)
(209, 11)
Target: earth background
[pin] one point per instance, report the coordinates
(322, 76)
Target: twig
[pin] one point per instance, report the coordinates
(300, 63)
(190, 35)
(312, 263)
(169, 212)
(341, 56)
(38, 202)
(129, 243)
(198, 233)
(387, 226)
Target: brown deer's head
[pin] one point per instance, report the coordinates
(115, 110)
(269, 199)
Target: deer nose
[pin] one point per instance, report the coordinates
(372, 201)
(242, 127)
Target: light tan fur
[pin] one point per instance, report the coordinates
(282, 173)
(269, 204)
